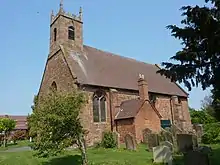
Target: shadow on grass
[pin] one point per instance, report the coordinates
(178, 160)
(11, 144)
(215, 157)
(70, 159)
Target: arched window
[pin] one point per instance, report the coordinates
(99, 107)
(54, 86)
(71, 33)
(55, 34)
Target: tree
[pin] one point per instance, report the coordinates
(207, 105)
(32, 122)
(6, 126)
(198, 62)
(56, 123)
(201, 117)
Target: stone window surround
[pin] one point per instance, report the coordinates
(71, 33)
(53, 86)
(55, 34)
(99, 107)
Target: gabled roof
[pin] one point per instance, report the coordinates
(130, 108)
(100, 68)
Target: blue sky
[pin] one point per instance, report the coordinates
(131, 28)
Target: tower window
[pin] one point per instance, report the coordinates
(55, 34)
(71, 33)
(99, 107)
(54, 87)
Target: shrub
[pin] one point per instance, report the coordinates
(108, 140)
(201, 117)
(19, 135)
(207, 138)
(212, 133)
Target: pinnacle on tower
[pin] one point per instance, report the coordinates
(51, 15)
(61, 6)
(80, 13)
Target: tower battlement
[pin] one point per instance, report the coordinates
(76, 17)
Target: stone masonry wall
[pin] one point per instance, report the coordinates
(125, 126)
(61, 24)
(186, 115)
(57, 71)
(163, 106)
(96, 129)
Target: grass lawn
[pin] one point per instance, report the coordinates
(18, 144)
(96, 157)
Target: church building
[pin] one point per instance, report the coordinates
(124, 95)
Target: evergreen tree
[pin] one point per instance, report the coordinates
(199, 60)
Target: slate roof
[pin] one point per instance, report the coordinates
(21, 121)
(100, 68)
(130, 108)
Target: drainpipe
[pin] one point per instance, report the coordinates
(171, 108)
(110, 102)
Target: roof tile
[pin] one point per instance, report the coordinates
(105, 69)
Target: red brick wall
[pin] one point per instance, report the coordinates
(118, 97)
(146, 118)
(125, 126)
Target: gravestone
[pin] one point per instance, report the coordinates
(196, 158)
(168, 144)
(184, 142)
(205, 149)
(199, 130)
(166, 135)
(162, 154)
(130, 142)
(117, 139)
(153, 141)
(146, 133)
(195, 141)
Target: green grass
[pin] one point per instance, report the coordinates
(98, 156)
(215, 158)
(18, 144)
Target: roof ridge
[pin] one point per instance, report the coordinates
(2, 116)
(115, 54)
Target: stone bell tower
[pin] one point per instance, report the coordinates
(66, 29)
